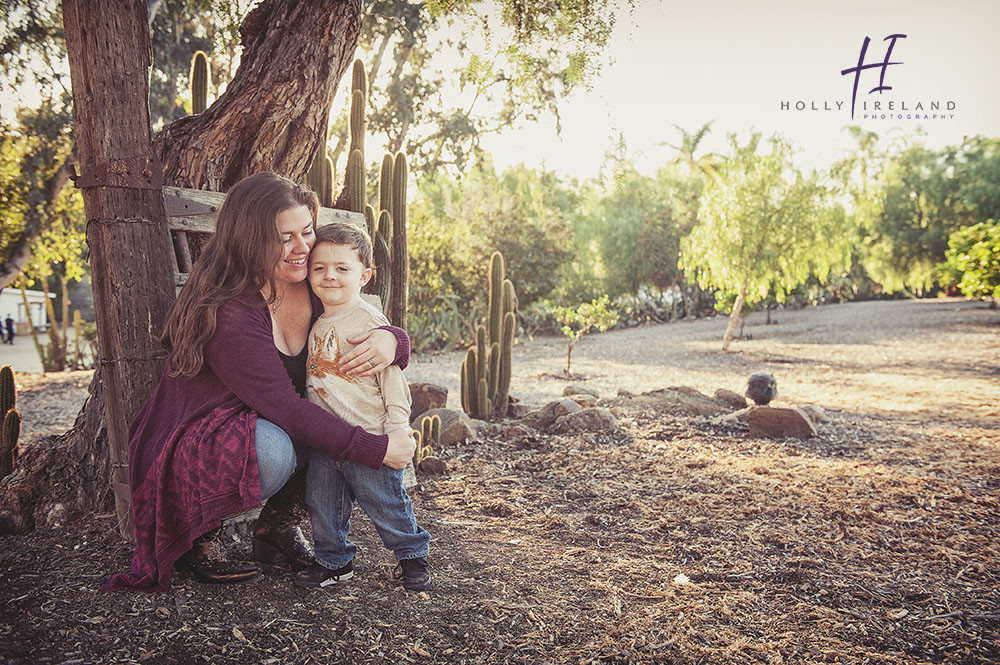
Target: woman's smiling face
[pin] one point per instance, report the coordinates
(297, 237)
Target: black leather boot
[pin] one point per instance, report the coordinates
(276, 533)
(208, 563)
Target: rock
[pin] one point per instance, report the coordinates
(518, 411)
(426, 396)
(780, 423)
(433, 466)
(679, 400)
(584, 400)
(734, 417)
(409, 476)
(733, 399)
(815, 413)
(597, 419)
(456, 426)
(570, 391)
(544, 417)
(516, 431)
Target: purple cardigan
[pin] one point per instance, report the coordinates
(192, 459)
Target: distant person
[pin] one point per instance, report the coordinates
(339, 265)
(9, 323)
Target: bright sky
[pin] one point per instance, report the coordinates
(734, 62)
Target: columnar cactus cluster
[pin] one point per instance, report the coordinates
(486, 369)
(387, 225)
(10, 426)
(430, 432)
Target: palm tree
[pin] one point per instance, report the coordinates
(706, 164)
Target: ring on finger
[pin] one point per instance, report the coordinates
(371, 363)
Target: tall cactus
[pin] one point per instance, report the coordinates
(486, 370)
(10, 421)
(354, 176)
(399, 270)
(8, 391)
(199, 82)
(320, 175)
(356, 181)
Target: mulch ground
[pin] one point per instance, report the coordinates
(667, 540)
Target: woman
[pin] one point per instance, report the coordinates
(216, 436)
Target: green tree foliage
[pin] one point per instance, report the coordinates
(628, 231)
(516, 61)
(578, 321)
(700, 165)
(974, 254)
(763, 228)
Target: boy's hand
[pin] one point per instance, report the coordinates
(401, 448)
(374, 352)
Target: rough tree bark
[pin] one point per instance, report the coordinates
(270, 118)
(274, 113)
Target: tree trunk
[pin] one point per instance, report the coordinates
(273, 115)
(109, 58)
(734, 317)
(271, 118)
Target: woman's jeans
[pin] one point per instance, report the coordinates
(332, 487)
(276, 458)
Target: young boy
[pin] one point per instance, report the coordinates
(339, 265)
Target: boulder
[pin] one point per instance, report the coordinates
(544, 417)
(678, 400)
(597, 419)
(456, 426)
(571, 390)
(816, 413)
(733, 399)
(426, 396)
(433, 466)
(585, 400)
(778, 423)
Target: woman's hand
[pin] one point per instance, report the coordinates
(401, 448)
(374, 352)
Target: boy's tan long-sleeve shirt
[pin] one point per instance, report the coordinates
(377, 403)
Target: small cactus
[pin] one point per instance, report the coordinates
(10, 430)
(8, 391)
(199, 82)
(429, 432)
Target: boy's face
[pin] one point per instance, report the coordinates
(337, 274)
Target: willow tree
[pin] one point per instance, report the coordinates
(763, 228)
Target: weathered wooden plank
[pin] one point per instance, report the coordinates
(194, 210)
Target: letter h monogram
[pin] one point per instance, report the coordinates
(861, 66)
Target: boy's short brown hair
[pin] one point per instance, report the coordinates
(355, 237)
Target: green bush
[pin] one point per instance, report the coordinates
(974, 253)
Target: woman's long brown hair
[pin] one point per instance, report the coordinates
(241, 256)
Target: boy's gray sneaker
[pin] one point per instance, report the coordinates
(319, 577)
(415, 573)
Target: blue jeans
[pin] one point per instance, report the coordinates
(276, 458)
(332, 487)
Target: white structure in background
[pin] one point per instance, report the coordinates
(12, 303)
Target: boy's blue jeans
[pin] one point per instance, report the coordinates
(332, 487)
